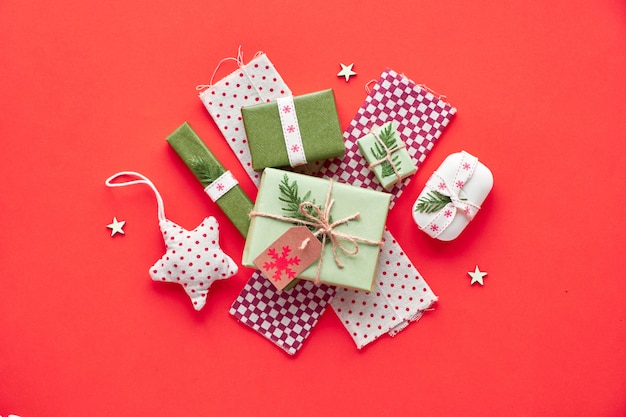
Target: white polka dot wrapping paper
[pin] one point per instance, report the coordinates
(252, 83)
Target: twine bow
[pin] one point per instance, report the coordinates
(320, 220)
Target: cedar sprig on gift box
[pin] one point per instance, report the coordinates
(291, 195)
(205, 172)
(433, 202)
(388, 137)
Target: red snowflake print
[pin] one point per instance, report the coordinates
(281, 263)
(442, 186)
(286, 109)
(295, 148)
(466, 210)
(466, 166)
(459, 184)
(291, 128)
(220, 187)
(434, 227)
(447, 213)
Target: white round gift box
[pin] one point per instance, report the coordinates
(475, 189)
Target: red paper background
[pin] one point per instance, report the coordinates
(91, 88)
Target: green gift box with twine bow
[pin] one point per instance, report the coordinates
(349, 221)
(292, 131)
(386, 153)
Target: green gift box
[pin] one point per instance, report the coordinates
(386, 153)
(305, 125)
(355, 215)
(235, 203)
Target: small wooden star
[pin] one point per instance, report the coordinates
(346, 71)
(477, 276)
(116, 227)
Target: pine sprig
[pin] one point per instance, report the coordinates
(205, 172)
(432, 203)
(388, 137)
(291, 196)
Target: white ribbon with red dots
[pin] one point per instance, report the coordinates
(291, 131)
(223, 184)
(458, 197)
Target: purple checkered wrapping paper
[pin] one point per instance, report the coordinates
(284, 317)
(417, 114)
(420, 118)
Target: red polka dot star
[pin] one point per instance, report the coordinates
(193, 258)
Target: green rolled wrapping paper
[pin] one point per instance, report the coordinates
(318, 123)
(234, 203)
(359, 270)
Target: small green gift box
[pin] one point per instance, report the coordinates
(292, 131)
(386, 153)
(349, 221)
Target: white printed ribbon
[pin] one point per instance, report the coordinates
(291, 131)
(223, 184)
(459, 201)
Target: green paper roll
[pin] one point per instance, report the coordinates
(205, 166)
(319, 129)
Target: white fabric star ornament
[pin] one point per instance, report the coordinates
(346, 71)
(192, 259)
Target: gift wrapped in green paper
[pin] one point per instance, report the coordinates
(348, 220)
(292, 131)
(386, 153)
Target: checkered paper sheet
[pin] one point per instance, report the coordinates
(284, 317)
(420, 119)
(418, 115)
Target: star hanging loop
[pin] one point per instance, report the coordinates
(346, 71)
(477, 276)
(193, 258)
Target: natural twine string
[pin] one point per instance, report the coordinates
(367, 86)
(433, 92)
(240, 64)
